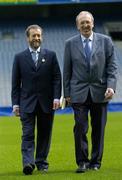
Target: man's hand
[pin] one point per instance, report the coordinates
(56, 104)
(109, 93)
(16, 111)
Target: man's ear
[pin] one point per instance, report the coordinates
(93, 24)
(77, 25)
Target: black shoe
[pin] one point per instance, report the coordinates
(83, 167)
(28, 169)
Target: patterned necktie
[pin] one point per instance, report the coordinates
(87, 48)
(35, 57)
(87, 51)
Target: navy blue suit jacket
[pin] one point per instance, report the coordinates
(31, 84)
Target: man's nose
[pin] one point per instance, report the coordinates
(36, 37)
(85, 24)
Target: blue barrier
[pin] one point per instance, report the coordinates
(112, 107)
(74, 1)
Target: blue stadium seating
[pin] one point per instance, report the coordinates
(13, 40)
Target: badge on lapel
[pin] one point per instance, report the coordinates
(43, 60)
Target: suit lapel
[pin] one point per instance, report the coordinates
(41, 58)
(79, 45)
(29, 59)
(96, 44)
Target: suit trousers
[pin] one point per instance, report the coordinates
(98, 115)
(44, 122)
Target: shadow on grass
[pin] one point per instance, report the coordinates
(57, 172)
(36, 172)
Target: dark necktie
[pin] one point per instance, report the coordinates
(87, 51)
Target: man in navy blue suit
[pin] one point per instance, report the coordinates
(36, 90)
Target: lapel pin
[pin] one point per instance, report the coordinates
(43, 60)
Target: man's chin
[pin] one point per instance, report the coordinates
(36, 45)
(87, 33)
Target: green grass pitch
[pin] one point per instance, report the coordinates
(61, 156)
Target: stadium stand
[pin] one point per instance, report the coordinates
(56, 31)
(55, 34)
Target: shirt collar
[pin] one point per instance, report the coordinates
(31, 50)
(90, 37)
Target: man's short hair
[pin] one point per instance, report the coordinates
(33, 26)
(84, 12)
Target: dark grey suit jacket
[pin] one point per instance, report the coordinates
(103, 69)
(31, 84)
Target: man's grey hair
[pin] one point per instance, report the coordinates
(85, 13)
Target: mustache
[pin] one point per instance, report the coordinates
(86, 28)
(36, 41)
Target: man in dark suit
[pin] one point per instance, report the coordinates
(89, 83)
(36, 90)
